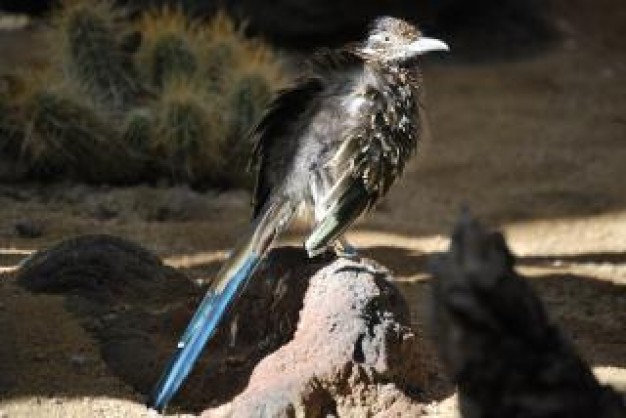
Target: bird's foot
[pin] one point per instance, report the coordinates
(315, 252)
(344, 249)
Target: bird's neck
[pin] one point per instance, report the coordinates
(396, 74)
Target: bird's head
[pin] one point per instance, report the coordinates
(394, 41)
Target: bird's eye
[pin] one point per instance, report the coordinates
(386, 39)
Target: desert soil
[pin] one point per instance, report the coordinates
(536, 147)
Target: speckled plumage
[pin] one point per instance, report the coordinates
(335, 142)
(354, 118)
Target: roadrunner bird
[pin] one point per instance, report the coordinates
(333, 143)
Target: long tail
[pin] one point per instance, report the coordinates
(228, 284)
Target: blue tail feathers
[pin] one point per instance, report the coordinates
(203, 325)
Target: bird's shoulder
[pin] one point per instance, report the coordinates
(281, 117)
(323, 76)
(290, 104)
(286, 107)
(325, 62)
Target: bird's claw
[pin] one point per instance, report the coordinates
(344, 249)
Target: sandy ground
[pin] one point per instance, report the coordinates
(536, 147)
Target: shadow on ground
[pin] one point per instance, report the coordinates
(590, 311)
(135, 309)
(136, 327)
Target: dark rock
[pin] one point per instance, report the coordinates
(29, 228)
(102, 268)
(498, 343)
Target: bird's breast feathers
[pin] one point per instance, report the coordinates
(383, 133)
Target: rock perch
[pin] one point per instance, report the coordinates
(353, 352)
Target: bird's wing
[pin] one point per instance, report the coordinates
(372, 155)
(273, 130)
(287, 112)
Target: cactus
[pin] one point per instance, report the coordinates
(137, 130)
(11, 166)
(8, 123)
(190, 134)
(219, 61)
(93, 52)
(248, 97)
(123, 101)
(67, 137)
(172, 58)
(228, 54)
(137, 135)
(169, 48)
(8, 131)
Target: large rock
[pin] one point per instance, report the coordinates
(102, 268)
(353, 352)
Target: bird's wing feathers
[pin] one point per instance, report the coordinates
(376, 149)
(273, 130)
(326, 62)
(289, 107)
(372, 155)
(385, 143)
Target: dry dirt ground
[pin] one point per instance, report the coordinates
(536, 147)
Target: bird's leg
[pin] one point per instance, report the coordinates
(344, 249)
(344, 210)
(341, 246)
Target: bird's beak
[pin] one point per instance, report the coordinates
(424, 45)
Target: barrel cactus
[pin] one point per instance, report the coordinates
(158, 96)
(91, 39)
